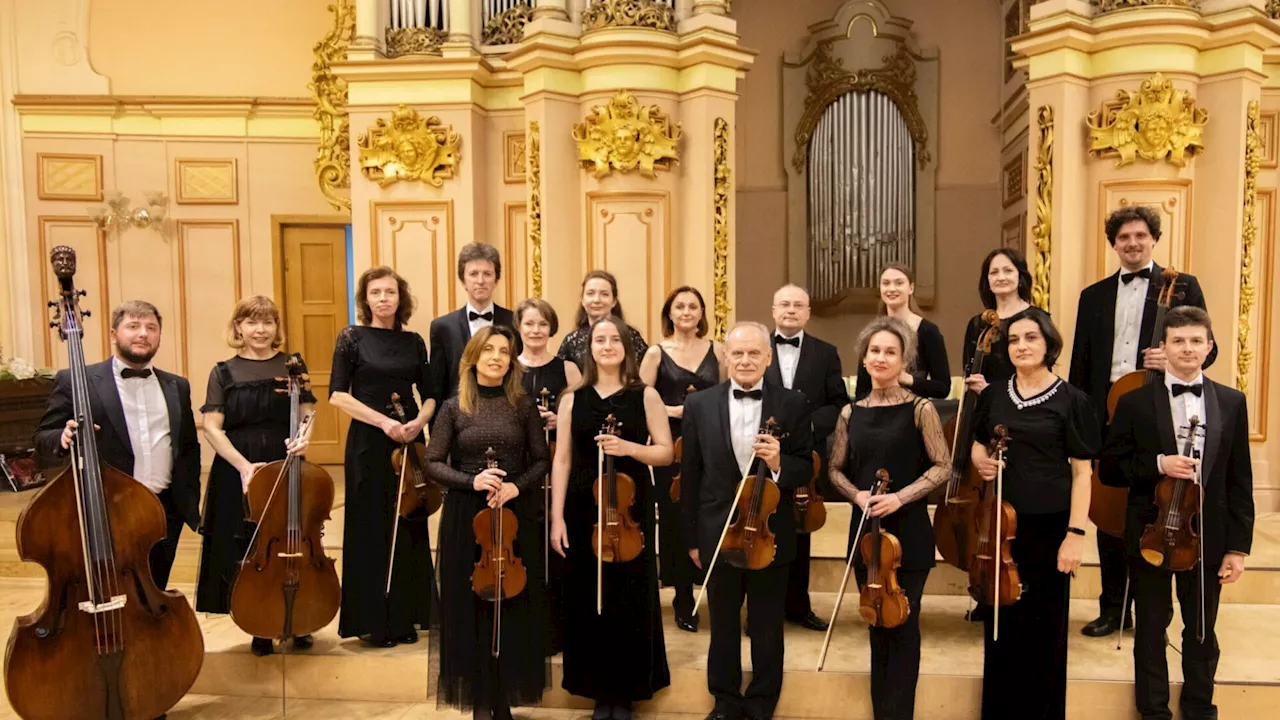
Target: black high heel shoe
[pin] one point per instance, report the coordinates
(261, 647)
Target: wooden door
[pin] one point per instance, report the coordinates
(316, 309)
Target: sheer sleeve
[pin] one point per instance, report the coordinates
(935, 444)
(535, 439)
(306, 396)
(1084, 437)
(932, 378)
(345, 355)
(215, 395)
(438, 468)
(839, 451)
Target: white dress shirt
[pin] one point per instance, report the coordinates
(1130, 299)
(1184, 407)
(147, 417)
(478, 322)
(788, 359)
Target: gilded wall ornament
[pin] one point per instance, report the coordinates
(720, 227)
(624, 135)
(1248, 242)
(415, 41)
(533, 162)
(1155, 123)
(1273, 8)
(1109, 5)
(333, 156)
(507, 27)
(827, 80)
(628, 13)
(1042, 231)
(409, 148)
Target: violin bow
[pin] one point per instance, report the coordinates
(844, 583)
(727, 522)
(998, 555)
(600, 530)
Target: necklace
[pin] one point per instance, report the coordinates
(1021, 404)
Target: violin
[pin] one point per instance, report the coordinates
(883, 602)
(953, 521)
(286, 586)
(674, 491)
(621, 539)
(993, 575)
(499, 574)
(419, 491)
(810, 510)
(1172, 542)
(105, 642)
(748, 542)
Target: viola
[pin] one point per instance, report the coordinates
(748, 542)
(621, 539)
(416, 490)
(953, 521)
(499, 574)
(1172, 542)
(883, 602)
(105, 642)
(286, 586)
(993, 575)
(674, 491)
(808, 506)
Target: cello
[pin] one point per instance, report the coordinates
(883, 602)
(810, 510)
(105, 642)
(419, 491)
(286, 586)
(499, 574)
(993, 575)
(616, 537)
(953, 521)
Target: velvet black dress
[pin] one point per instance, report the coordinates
(550, 377)
(371, 363)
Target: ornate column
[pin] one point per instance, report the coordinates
(369, 40)
(712, 7)
(462, 23)
(551, 9)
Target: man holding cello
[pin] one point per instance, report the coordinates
(727, 467)
(1116, 327)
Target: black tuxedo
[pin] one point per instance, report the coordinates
(1142, 429)
(182, 499)
(449, 336)
(709, 479)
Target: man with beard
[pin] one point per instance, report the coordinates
(144, 424)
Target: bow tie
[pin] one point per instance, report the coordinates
(748, 394)
(1144, 273)
(481, 316)
(127, 373)
(1196, 389)
(792, 341)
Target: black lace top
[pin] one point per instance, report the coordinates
(514, 433)
(578, 344)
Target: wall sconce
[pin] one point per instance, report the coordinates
(117, 216)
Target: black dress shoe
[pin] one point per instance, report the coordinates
(717, 715)
(811, 622)
(689, 624)
(1103, 626)
(261, 647)
(408, 638)
(303, 642)
(602, 712)
(383, 643)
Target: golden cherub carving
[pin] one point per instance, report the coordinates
(623, 135)
(409, 148)
(1154, 123)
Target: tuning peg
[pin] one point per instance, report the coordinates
(82, 292)
(52, 303)
(53, 323)
(86, 313)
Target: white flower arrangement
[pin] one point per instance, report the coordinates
(16, 368)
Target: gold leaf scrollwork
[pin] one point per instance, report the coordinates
(1109, 5)
(827, 80)
(533, 161)
(1273, 8)
(1042, 231)
(333, 157)
(414, 41)
(1155, 123)
(1248, 242)
(507, 26)
(624, 135)
(409, 148)
(723, 188)
(628, 13)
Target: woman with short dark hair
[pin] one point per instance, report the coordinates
(1004, 286)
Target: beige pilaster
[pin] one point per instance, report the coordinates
(369, 39)
(462, 24)
(712, 7)
(551, 9)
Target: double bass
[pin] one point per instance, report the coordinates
(883, 602)
(416, 490)
(499, 574)
(105, 642)
(993, 575)
(617, 537)
(286, 586)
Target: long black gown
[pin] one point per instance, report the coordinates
(371, 363)
(552, 378)
(469, 677)
(256, 421)
(619, 656)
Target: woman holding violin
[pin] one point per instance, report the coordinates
(1052, 435)
(614, 652)
(930, 375)
(246, 421)
(684, 362)
(894, 430)
(385, 594)
(1004, 286)
(491, 421)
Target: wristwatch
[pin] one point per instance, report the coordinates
(1075, 530)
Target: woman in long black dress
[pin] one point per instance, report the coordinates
(1053, 436)
(896, 430)
(930, 374)
(599, 301)
(1004, 286)
(682, 363)
(490, 412)
(618, 656)
(546, 376)
(370, 362)
(246, 421)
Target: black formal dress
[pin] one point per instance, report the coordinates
(905, 438)
(1025, 672)
(1143, 428)
(712, 467)
(1091, 354)
(255, 418)
(677, 570)
(931, 377)
(449, 337)
(619, 656)
(181, 499)
(550, 377)
(578, 343)
(371, 363)
(469, 676)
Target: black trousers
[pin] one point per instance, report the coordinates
(797, 604)
(674, 566)
(895, 653)
(1114, 566)
(765, 593)
(1199, 659)
(163, 552)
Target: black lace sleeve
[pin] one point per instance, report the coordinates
(437, 455)
(345, 356)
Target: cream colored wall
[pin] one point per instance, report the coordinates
(967, 36)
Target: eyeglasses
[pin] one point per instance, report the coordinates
(791, 305)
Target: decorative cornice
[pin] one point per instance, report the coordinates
(415, 41)
(720, 227)
(533, 163)
(333, 157)
(1042, 231)
(628, 13)
(507, 27)
(1107, 6)
(1248, 242)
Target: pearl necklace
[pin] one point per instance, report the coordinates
(1042, 397)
